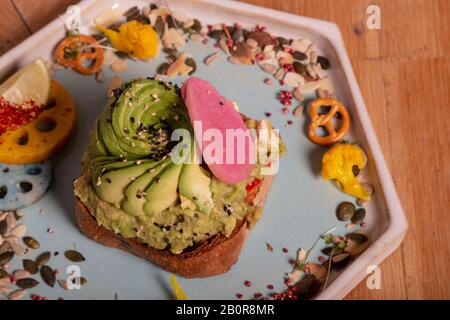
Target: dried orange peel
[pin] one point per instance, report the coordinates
(80, 53)
(41, 138)
(325, 120)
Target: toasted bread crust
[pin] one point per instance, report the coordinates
(210, 258)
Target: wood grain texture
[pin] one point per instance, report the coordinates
(403, 71)
(12, 28)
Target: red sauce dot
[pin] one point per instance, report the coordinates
(239, 295)
(248, 283)
(285, 250)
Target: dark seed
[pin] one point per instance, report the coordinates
(237, 34)
(191, 63)
(328, 250)
(345, 211)
(159, 25)
(3, 273)
(6, 257)
(25, 186)
(338, 258)
(46, 124)
(43, 258)
(74, 256)
(357, 237)
(30, 266)
(48, 275)
(359, 216)
(197, 26)
(299, 56)
(3, 191)
(81, 280)
(324, 63)
(27, 283)
(3, 227)
(283, 41)
(217, 34)
(300, 68)
(31, 242)
(34, 171)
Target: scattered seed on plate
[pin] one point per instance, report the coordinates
(298, 111)
(211, 58)
(74, 256)
(48, 275)
(21, 274)
(30, 266)
(119, 65)
(43, 258)
(27, 283)
(268, 81)
(63, 284)
(18, 231)
(269, 247)
(17, 295)
(345, 211)
(31, 242)
(6, 257)
(359, 216)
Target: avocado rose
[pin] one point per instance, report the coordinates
(131, 184)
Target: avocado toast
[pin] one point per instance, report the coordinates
(133, 196)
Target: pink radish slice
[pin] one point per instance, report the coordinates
(206, 106)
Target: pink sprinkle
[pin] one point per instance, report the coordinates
(270, 287)
(321, 259)
(290, 122)
(285, 250)
(205, 41)
(247, 283)
(268, 114)
(258, 295)
(285, 110)
(239, 295)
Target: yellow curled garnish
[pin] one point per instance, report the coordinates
(177, 289)
(337, 164)
(134, 38)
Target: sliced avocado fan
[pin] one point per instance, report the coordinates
(130, 149)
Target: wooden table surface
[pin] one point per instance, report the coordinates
(403, 71)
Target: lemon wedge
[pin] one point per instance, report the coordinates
(29, 83)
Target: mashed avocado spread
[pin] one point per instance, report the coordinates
(132, 187)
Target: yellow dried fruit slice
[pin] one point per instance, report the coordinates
(41, 138)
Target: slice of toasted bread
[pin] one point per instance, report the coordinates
(210, 258)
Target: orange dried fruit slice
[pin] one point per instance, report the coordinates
(41, 138)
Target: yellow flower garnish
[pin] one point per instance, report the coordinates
(337, 164)
(134, 38)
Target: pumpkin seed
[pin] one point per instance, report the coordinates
(5, 247)
(3, 273)
(30, 266)
(31, 242)
(191, 63)
(324, 62)
(81, 280)
(48, 275)
(162, 69)
(300, 56)
(197, 26)
(43, 258)
(63, 284)
(159, 25)
(211, 58)
(4, 290)
(357, 237)
(17, 295)
(27, 283)
(217, 34)
(356, 170)
(300, 68)
(3, 226)
(6, 257)
(74, 256)
(298, 111)
(359, 216)
(19, 230)
(21, 274)
(345, 211)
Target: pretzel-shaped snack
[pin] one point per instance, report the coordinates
(79, 53)
(325, 120)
